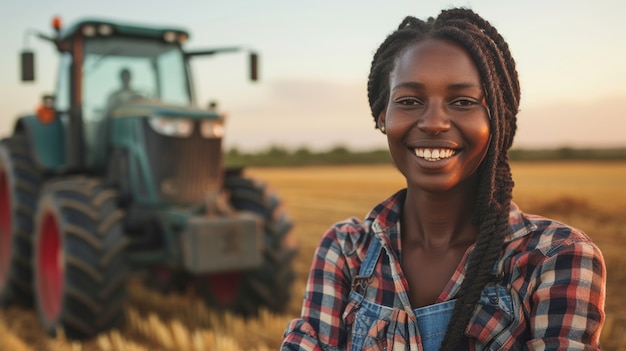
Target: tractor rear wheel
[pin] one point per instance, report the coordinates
(80, 263)
(269, 285)
(20, 183)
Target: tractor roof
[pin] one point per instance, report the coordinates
(95, 26)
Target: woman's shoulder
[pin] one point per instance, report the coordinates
(546, 235)
(353, 235)
(350, 235)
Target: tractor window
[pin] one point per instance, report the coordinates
(62, 98)
(171, 67)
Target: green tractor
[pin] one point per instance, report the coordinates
(118, 175)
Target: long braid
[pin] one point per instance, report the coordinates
(497, 71)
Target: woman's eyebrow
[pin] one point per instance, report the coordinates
(461, 86)
(422, 86)
(409, 85)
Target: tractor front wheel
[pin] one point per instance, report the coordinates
(80, 264)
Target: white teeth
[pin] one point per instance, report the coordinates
(434, 154)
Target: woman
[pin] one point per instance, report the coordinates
(450, 262)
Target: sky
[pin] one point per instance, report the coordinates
(315, 58)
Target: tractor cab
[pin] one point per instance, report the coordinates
(104, 66)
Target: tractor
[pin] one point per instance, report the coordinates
(119, 174)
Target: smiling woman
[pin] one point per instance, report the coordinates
(450, 262)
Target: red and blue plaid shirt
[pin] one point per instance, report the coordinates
(554, 274)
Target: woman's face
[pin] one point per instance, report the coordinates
(436, 120)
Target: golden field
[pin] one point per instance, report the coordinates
(588, 195)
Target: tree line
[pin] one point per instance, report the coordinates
(340, 155)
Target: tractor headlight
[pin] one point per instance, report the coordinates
(212, 128)
(89, 30)
(105, 29)
(174, 127)
(169, 36)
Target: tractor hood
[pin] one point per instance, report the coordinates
(159, 109)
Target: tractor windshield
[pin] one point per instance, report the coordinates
(153, 70)
(117, 70)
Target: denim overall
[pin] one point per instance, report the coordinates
(428, 324)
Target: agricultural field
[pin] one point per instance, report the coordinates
(588, 195)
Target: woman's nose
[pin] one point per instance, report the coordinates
(434, 119)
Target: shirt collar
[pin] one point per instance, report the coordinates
(385, 218)
(520, 225)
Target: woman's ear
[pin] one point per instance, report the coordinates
(381, 121)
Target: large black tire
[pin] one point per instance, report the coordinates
(269, 285)
(20, 184)
(80, 261)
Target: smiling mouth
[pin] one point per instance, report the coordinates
(429, 154)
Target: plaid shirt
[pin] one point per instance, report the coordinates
(554, 277)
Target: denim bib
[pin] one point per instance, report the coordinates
(432, 323)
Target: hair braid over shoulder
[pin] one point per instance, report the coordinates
(496, 67)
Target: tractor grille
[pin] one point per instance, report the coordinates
(184, 169)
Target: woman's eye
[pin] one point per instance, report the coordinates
(464, 102)
(408, 101)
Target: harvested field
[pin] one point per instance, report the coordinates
(588, 195)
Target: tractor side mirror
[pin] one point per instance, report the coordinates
(28, 66)
(254, 66)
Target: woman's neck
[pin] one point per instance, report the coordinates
(439, 221)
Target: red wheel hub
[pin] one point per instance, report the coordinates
(50, 277)
(5, 228)
(225, 286)
(161, 274)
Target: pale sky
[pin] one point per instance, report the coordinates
(315, 57)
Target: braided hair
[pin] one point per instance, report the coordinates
(491, 55)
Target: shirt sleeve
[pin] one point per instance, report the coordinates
(320, 326)
(568, 301)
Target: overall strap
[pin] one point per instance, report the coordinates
(364, 278)
(371, 257)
